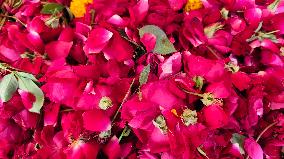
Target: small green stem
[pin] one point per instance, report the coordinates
(122, 134)
(272, 32)
(123, 101)
(192, 93)
(264, 130)
(213, 52)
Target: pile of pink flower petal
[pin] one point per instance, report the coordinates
(149, 79)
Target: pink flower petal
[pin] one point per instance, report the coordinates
(253, 149)
(27, 98)
(98, 39)
(51, 113)
(58, 49)
(177, 4)
(118, 49)
(215, 116)
(149, 41)
(96, 120)
(139, 11)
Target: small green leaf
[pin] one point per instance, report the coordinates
(27, 75)
(163, 45)
(52, 22)
(273, 6)
(210, 30)
(143, 78)
(224, 13)
(238, 140)
(8, 87)
(28, 85)
(51, 8)
(199, 81)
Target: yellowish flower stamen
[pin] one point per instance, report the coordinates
(174, 111)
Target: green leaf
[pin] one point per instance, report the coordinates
(238, 140)
(27, 75)
(28, 85)
(273, 6)
(51, 8)
(163, 45)
(8, 87)
(143, 78)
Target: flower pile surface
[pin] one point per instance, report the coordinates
(147, 79)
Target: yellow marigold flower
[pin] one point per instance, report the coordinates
(193, 5)
(78, 7)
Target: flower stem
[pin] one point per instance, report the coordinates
(192, 93)
(213, 52)
(123, 101)
(272, 32)
(123, 133)
(263, 131)
(15, 18)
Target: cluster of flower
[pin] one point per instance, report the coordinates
(149, 79)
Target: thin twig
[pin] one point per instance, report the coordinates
(263, 131)
(213, 52)
(123, 101)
